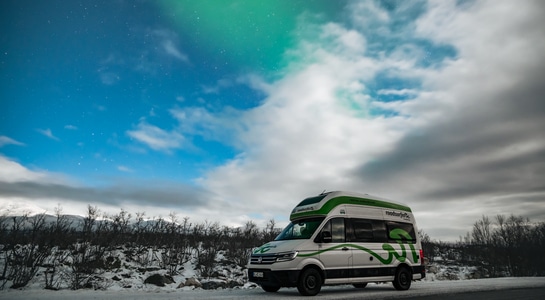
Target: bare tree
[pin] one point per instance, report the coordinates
(27, 258)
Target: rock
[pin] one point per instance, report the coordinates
(193, 282)
(159, 280)
(212, 285)
(235, 283)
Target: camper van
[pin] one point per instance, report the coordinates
(341, 238)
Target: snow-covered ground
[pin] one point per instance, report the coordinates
(373, 291)
(230, 282)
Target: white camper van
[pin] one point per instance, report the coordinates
(341, 238)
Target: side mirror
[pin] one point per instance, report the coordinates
(326, 237)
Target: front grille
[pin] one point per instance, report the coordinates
(262, 259)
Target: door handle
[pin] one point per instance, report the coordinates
(345, 249)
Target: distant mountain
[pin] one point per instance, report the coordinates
(20, 208)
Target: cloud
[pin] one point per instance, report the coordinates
(109, 69)
(48, 133)
(480, 136)
(212, 125)
(162, 195)
(401, 92)
(4, 140)
(125, 169)
(171, 49)
(468, 141)
(438, 105)
(11, 172)
(220, 85)
(153, 52)
(109, 78)
(157, 138)
(42, 190)
(70, 127)
(168, 40)
(310, 132)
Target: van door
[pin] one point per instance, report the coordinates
(335, 254)
(368, 237)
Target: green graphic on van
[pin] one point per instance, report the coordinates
(397, 234)
(264, 248)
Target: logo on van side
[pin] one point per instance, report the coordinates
(402, 215)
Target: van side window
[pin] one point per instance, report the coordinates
(367, 231)
(398, 231)
(336, 227)
(363, 230)
(379, 231)
(337, 230)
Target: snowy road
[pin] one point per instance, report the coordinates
(515, 288)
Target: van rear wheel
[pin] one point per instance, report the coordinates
(403, 278)
(310, 282)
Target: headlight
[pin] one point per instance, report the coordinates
(286, 256)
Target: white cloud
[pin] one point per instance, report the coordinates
(70, 127)
(4, 140)
(157, 138)
(460, 148)
(36, 191)
(401, 92)
(48, 133)
(168, 40)
(311, 132)
(171, 49)
(12, 171)
(125, 169)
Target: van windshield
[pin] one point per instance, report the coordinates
(300, 229)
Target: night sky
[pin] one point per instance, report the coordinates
(233, 111)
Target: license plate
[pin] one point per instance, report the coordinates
(258, 274)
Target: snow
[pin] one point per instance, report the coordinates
(423, 288)
(127, 282)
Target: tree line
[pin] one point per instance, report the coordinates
(498, 247)
(74, 251)
(71, 252)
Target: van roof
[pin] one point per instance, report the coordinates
(322, 204)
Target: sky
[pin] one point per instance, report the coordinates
(235, 111)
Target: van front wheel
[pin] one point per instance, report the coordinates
(403, 278)
(310, 282)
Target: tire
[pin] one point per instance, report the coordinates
(310, 282)
(360, 285)
(403, 279)
(270, 288)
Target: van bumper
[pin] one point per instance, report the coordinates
(419, 270)
(274, 278)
